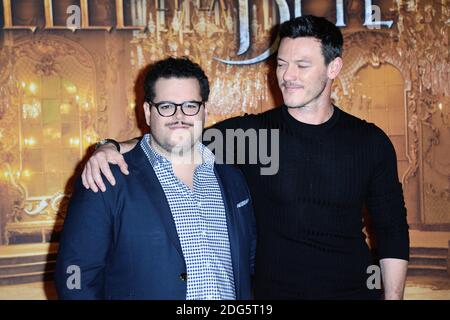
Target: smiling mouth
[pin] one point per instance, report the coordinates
(292, 88)
(291, 85)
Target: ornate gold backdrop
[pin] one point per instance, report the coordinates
(62, 91)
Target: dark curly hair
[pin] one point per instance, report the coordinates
(175, 68)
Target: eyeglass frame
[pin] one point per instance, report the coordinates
(156, 105)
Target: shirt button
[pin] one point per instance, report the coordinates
(203, 232)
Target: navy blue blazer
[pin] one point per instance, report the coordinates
(125, 243)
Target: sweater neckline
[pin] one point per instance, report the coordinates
(299, 126)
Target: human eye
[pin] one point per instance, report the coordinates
(191, 105)
(165, 106)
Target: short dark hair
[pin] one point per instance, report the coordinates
(175, 68)
(316, 27)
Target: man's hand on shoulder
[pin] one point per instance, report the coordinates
(99, 163)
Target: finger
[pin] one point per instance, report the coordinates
(90, 181)
(106, 170)
(122, 165)
(95, 171)
(83, 178)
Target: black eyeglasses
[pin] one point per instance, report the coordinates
(168, 109)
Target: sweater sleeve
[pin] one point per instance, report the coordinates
(385, 201)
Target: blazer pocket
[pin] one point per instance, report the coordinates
(242, 203)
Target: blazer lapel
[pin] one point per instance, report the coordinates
(233, 234)
(154, 188)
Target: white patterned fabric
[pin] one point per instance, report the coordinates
(201, 224)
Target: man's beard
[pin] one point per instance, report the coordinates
(184, 146)
(324, 82)
(177, 148)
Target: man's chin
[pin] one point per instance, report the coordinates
(179, 137)
(291, 102)
(294, 105)
(181, 145)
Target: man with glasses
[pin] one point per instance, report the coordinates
(179, 226)
(331, 166)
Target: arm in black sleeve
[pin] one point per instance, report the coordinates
(385, 201)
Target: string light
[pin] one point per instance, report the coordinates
(86, 106)
(74, 141)
(71, 89)
(64, 108)
(89, 138)
(33, 88)
(30, 141)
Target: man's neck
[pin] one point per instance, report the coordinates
(185, 173)
(313, 114)
(183, 163)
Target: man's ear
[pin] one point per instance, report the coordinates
(147, 112)
(334, 68)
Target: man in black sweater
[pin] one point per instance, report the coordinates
(331, 165)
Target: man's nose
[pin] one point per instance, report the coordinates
(291, 73)
(179, 115)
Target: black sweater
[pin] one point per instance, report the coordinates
(309, 214)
